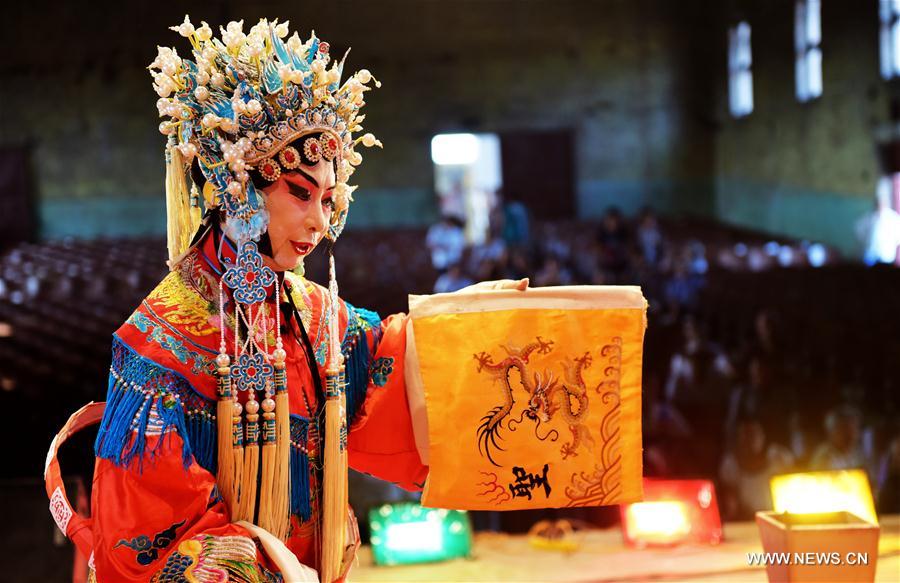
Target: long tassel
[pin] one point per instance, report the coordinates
(181, 219)
(229, 430)
(281, 490)
(225, 422)
(250, 476)
(275, 488)
(267, 475)
(334, 512)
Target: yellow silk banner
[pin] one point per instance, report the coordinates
(533, 397)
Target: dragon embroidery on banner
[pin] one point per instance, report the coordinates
(544, 394)
(601, 486)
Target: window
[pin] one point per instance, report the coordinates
(889, 38)
(740, 77)
(808, 51)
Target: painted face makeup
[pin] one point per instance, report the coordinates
(300, 205)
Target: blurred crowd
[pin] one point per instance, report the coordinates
(744, 378)
(761, 356)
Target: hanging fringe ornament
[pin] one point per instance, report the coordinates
(181, 219)
(228, 423)
(334, 512)
(247, 501)
(275, 491)
(260, 485)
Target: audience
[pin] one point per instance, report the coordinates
(750, 368)
(747, 468)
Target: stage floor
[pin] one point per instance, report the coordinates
(603, 558)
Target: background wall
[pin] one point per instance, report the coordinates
(608, 70)
(642, 84)
(804, 169)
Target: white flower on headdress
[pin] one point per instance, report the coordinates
(260, 29)
(162, 106)
(318, 68)
(165, 55)
(233, 35)
(209, 54)
(285, 73)
(211, 120)
(282, 29)
(185, 29)
(188, 150)
(204, 33)
(163, 84)
(256, 41)
(295, 44)
(370, 140)
(343, 195)
(254, 106)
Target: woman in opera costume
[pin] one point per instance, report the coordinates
(239, 391)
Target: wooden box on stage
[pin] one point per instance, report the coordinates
(829, 546)
(532, 398)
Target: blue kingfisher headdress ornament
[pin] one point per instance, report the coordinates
(237, 106)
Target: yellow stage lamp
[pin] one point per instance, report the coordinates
(820, 492)
(664, 522)
(674, 512)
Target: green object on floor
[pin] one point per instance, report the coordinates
(406, 533)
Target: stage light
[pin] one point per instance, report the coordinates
(829, 546)
(454, 149)
(831, 491)
(673, 512)
(407, 533)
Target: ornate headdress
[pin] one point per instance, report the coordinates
(238, 105)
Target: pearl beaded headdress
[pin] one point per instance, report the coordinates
(240, 101)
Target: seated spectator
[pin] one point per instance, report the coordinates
(842, 449)
(649, 237)
(552, 273)
(760, 398)
(880, 230)
(452, 280)
(494, 250)
(446, 241)
(747, 468)
(613, 238)
(888, 479)
(516, 224)
(681, 290)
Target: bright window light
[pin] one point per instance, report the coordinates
(740, 76)
(808, 51)
(889, 37)
(454, 149)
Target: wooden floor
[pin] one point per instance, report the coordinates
(602, 557)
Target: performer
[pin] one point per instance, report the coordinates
(239, 391)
